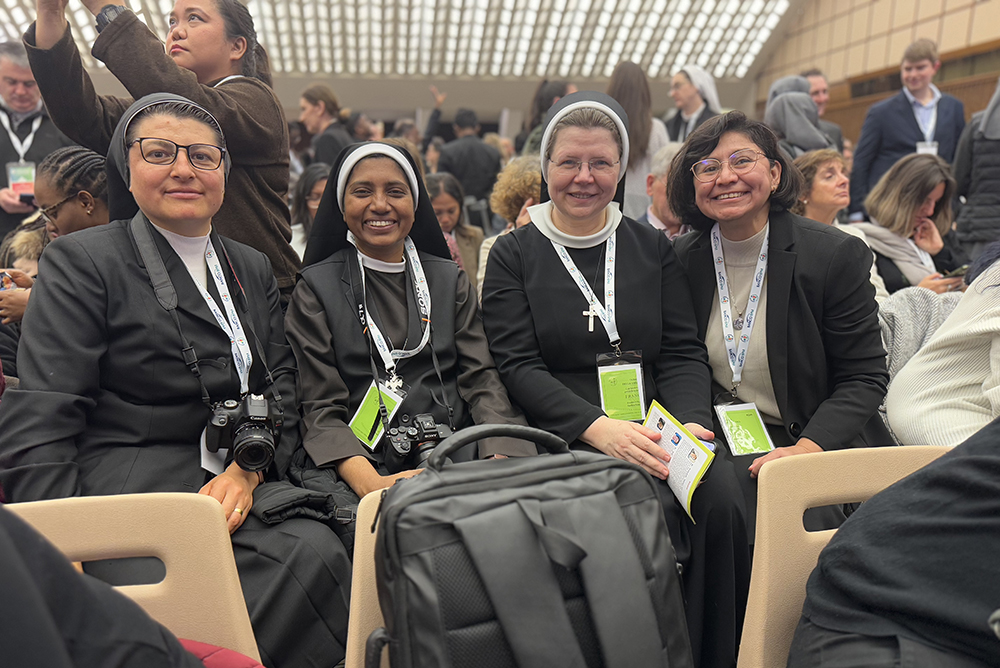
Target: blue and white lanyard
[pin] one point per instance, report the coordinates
(390, 356)
(21, 147)
(738, 350)
(606, 313)
(230, 321)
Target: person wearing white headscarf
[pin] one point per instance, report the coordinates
(977, 172)
(693, 91)
(545, 345)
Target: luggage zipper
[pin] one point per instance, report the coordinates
(378, 511)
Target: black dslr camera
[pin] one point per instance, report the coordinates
(246, 429)
(411, 443)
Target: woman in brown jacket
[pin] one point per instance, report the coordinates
(212, 57)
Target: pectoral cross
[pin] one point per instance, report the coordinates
(590, 315)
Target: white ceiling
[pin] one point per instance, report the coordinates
(480, 39)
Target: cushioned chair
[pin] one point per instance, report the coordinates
(200, 596)
(366, 615)
(785, 553)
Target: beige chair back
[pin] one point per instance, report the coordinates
(200, 597)
(785, 553)
(366, 615)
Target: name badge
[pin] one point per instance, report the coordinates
(21, 177)
(744, 429)
(619, 377)
(927, 147)
(367, 423)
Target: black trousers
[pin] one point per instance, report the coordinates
(714, 552)
(52, 616)
(817, 647)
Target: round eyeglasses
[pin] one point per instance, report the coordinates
(741, 162)
(48, 214)
(597, 166)
(157, 151)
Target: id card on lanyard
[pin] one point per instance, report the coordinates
(21, 174)
(619, 373)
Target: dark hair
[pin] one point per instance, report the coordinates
(239, 23)
(989, 255)
(308, 179)
(701, 142)
(443, 183)
(630, 88)
(814, 72)
(322, 93)
(466, 118)
(402, 127)
(174, 109)
(73, 169)
(409, 147)
(542, 102)
(437, 142)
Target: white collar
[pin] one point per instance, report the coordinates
(913, 100)
(541, 216)
(694, 114)
(384, 267)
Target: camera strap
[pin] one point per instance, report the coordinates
(166, 295)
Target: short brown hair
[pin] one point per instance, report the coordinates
(809, 164)
(322, 93)
(922, 49)
(701, 142)
(897, 195)
(585, 117)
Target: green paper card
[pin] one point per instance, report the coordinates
(621, 391)
(744, 428)
(366, 424)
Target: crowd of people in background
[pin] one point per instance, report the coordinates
(298, 251)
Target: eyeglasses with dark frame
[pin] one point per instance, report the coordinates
(48, 214)
(162, 152)
(596, 166)
(741, 162)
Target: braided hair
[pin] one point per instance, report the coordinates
(73, 169)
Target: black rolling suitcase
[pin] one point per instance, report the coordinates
(561, 560)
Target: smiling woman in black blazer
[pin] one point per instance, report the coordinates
(814, 366)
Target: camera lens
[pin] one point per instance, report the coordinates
(253, 447)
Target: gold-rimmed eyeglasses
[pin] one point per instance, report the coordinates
(48, 214)
(741, 162)
(158, 151)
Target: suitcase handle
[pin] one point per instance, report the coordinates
(550, 442)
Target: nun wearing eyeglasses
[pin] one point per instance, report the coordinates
(784, 305)
(137, 331)
(583, 281)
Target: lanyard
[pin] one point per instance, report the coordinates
(929, 129)
(738, 351)
(21, 147)
(607, 312)
(390, 356)
(230, 321)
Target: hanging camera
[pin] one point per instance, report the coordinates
(246, 429)
(409, 445)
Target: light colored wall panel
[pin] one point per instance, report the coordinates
(881, 16)
(955, 30)
(820, 41)
(838, 65)
(985, 21)
(950, 5)
(904, 12)
(898, 41)
(875, 59)
(861, 25)
(929, 8)
(856, 58)
(840, 36)
(931, 29)
(825, 10)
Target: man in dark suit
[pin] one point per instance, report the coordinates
(473, 162)
(819, 91)
(917, 119)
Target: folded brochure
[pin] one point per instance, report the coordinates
(689, 457)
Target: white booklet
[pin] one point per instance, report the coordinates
(689, 457)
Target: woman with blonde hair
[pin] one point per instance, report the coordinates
(910, 227)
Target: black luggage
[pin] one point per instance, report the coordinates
(561, 560)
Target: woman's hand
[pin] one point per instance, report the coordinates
(50, 22)
(13, 303)
(233, 488)
(439, 97)
(940, 284)
(11, 202)
(700, 432)
(362, 476)
(523, 217)
(803, 446)
(630, 442)
(927, 237)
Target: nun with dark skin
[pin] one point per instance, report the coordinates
(381, 300)
(539, 282)
(117, 388)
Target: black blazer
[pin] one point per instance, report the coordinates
(106, 403)
(473, 162)
(824, 344)
(676, 123)
(891, 131)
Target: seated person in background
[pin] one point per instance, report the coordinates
(659, 214)
(71, 190)
(910, 229)
(950, 388)
(381, 296)
(116, 390)
(518, 187)
(911, 577)
(547, 353)
(305, 200)
(825, 194)
(448, 202)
